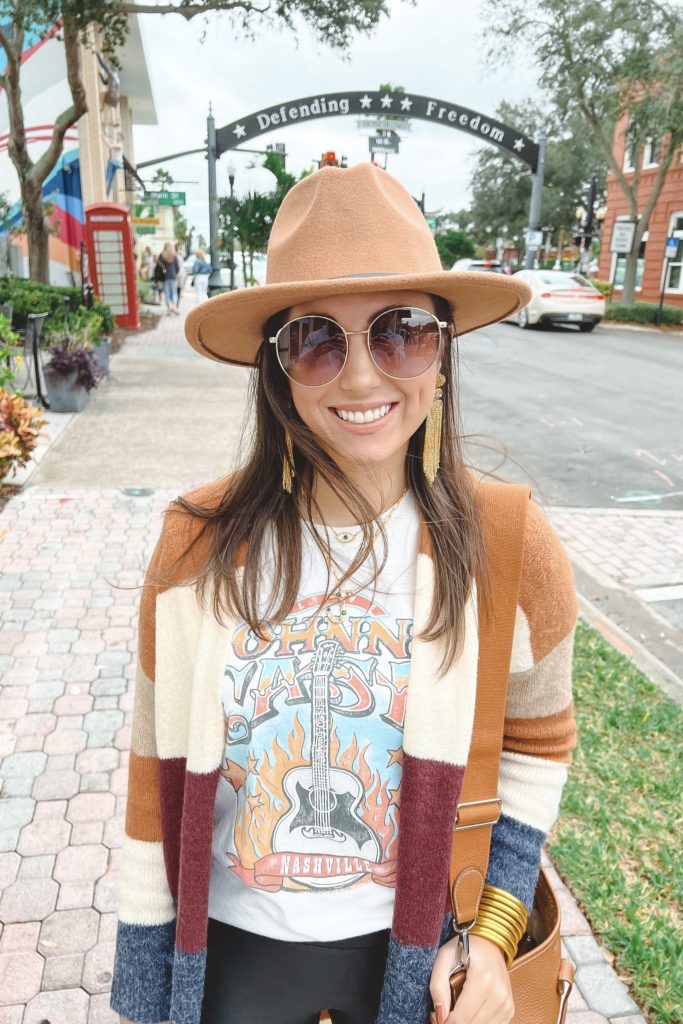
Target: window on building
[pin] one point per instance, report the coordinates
(620, 268)
(651, 151)
(630, 155)
(674, 274)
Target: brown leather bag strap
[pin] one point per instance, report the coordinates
(503, 509)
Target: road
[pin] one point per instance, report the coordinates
(595, 418)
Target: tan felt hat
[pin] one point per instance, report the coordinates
(344, 230)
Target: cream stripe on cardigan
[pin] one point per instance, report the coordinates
(440, 709)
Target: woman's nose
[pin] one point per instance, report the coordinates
(360, 372)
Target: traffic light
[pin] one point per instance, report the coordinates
(328, 159)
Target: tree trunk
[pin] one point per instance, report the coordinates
(244, 267)
(37, 233)
(32, 175)
(628, 291)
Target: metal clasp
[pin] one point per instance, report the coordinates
(477, 824)
(462, 931)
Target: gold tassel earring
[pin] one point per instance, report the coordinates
(288, 465)
(431, 453)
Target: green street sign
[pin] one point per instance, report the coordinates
(165, 198)
(143, 229)
(431, 222)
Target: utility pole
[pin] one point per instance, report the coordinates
(584, 262)
(533, 242)
(215, 283)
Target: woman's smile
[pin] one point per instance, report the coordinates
(363, 416)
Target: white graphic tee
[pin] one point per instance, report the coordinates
(307, 808)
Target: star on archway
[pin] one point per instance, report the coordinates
(387, 101)
(519, 145)
(239, 130)
(365, 102)
(406, 104)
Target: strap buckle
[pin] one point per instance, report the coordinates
(477, 824)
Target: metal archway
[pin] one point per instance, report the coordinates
(373, 104)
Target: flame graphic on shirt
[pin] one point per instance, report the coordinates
(262, 800)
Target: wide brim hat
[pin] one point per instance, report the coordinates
(339, 231)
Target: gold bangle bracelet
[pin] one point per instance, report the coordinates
(503, 936)
(497, 940)
(493, 926)
(500, 895)
(514, 920)
(514, 923)
(514, 930)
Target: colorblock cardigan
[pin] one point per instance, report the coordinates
(178, 742)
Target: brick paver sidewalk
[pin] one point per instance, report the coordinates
(70, 560)
(633, 549)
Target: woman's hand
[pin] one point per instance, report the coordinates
(486, 997)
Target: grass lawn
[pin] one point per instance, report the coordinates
(617, 843)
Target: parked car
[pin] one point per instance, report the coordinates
(488, 266)
(560, 297)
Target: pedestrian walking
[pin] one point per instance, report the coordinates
(315, 634)
(201, 272)
(182, 273)
(147, 267)
(166, 274)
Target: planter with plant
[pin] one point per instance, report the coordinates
(88, 327)
(20, 429)
(28, 296)
(11, 354)
(70, 373)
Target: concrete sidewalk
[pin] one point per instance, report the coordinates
(73, 546)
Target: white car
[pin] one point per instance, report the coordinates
(488, 266)
(560, 297)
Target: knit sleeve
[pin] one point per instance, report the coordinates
(141, 987)
(540, 730)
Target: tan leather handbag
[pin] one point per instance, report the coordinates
(541, 978)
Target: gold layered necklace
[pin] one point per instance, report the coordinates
(337, 605)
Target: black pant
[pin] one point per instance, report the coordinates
(251, 979)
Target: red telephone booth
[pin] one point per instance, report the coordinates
(109, 238)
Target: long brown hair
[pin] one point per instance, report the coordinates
(255, 508)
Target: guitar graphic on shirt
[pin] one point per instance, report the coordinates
(323, 817)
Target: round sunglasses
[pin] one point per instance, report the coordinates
(402, 342)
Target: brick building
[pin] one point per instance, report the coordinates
(666, 220)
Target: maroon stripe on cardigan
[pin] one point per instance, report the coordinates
(171, 787)
(193, 896)
(429, 794)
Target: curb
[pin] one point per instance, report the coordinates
(615, 325)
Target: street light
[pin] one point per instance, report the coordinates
(585, 219)
(231, 179)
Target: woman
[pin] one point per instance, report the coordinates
(167, 271)
(201, 272)
(182, 273)
(308, 655)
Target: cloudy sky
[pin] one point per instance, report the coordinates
(435, 48)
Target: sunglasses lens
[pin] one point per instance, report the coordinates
(405, 342)
(311, 350)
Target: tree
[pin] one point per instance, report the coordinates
(601, 61)
(501, 190)
(251, 217)
(164, 179)
(82, 21)
(452, 246)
